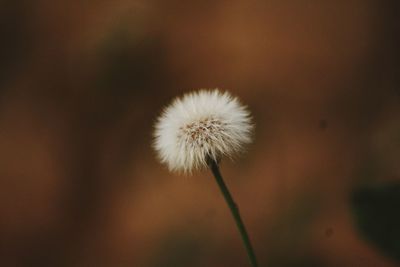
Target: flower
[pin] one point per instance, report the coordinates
(201, 126)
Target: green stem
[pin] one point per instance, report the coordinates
(235, 212)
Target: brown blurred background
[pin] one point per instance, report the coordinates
(81, 83)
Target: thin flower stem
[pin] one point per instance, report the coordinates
(235, 212)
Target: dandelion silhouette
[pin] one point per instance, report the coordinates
(195, 131)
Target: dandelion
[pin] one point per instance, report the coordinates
(201, 126)
(196, 131)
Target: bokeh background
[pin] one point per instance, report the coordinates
(81, 83)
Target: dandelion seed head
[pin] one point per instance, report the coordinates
(201, 126)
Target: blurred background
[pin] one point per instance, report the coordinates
(81, 83)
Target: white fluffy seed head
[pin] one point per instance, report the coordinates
(201, 126)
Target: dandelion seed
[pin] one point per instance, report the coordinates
(201, 126)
